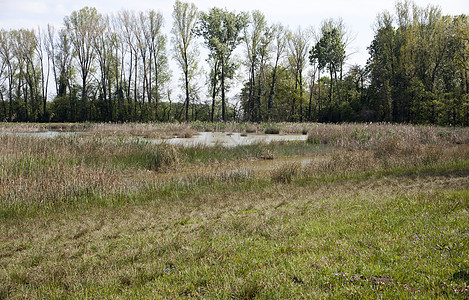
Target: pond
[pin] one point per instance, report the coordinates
(40, 134)
(230, 139)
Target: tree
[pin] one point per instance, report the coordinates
(298, 43)
(156, 44)
(81, 26)
(280, 44)
(44, 71)
(221, 30)
(104, 43)
(8, 60)
(253, 38)
(185, 21)
(329, 52)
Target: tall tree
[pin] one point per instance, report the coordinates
(185, 21)
(253, 38)
(103, 43)
(8, 59)
(157, 63)
(81, 25)
(329, 52)
(280, 45)
(298, 43)
(222, 30)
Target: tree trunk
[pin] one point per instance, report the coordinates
(319, 94)
(310, 117)
(251, 92)
(337, 88)
(223, 104)
(3, 105)
(186, 78)
(300, 83)
(330, 88)
(135, 88)
(271, 94)
(214, 94)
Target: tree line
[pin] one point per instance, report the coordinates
(116, 68)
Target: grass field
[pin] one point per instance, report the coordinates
(365, 211)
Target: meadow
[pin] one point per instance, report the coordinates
(365, 211)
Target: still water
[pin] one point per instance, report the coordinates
(201, 139)
(230, 139)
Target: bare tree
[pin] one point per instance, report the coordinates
(155, 42)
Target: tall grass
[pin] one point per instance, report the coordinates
(69, 168)
(361, 136)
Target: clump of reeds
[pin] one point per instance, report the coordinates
(146, 130)
(251, 129)
(185, 133)
(285, 173)
(388, 155)
(266, 154)
(163, 157)
(272, 130)
(21, 127)
(221, 176)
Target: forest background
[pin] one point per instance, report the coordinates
(236, 66)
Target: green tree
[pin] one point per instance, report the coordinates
(329, 52)
(298, 45)
(185, 21)
(222, 30)
(82, 29)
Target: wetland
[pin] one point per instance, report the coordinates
(350, 210)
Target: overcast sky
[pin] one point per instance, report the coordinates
(358, 15)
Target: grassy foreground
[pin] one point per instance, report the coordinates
(378, 211)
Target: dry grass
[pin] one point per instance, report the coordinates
(361, 136)
(388, 156)
(65, 169)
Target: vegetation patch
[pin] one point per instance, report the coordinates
(114, 217)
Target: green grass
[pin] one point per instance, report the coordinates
(94, 217)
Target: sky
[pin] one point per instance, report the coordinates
(359, 16)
